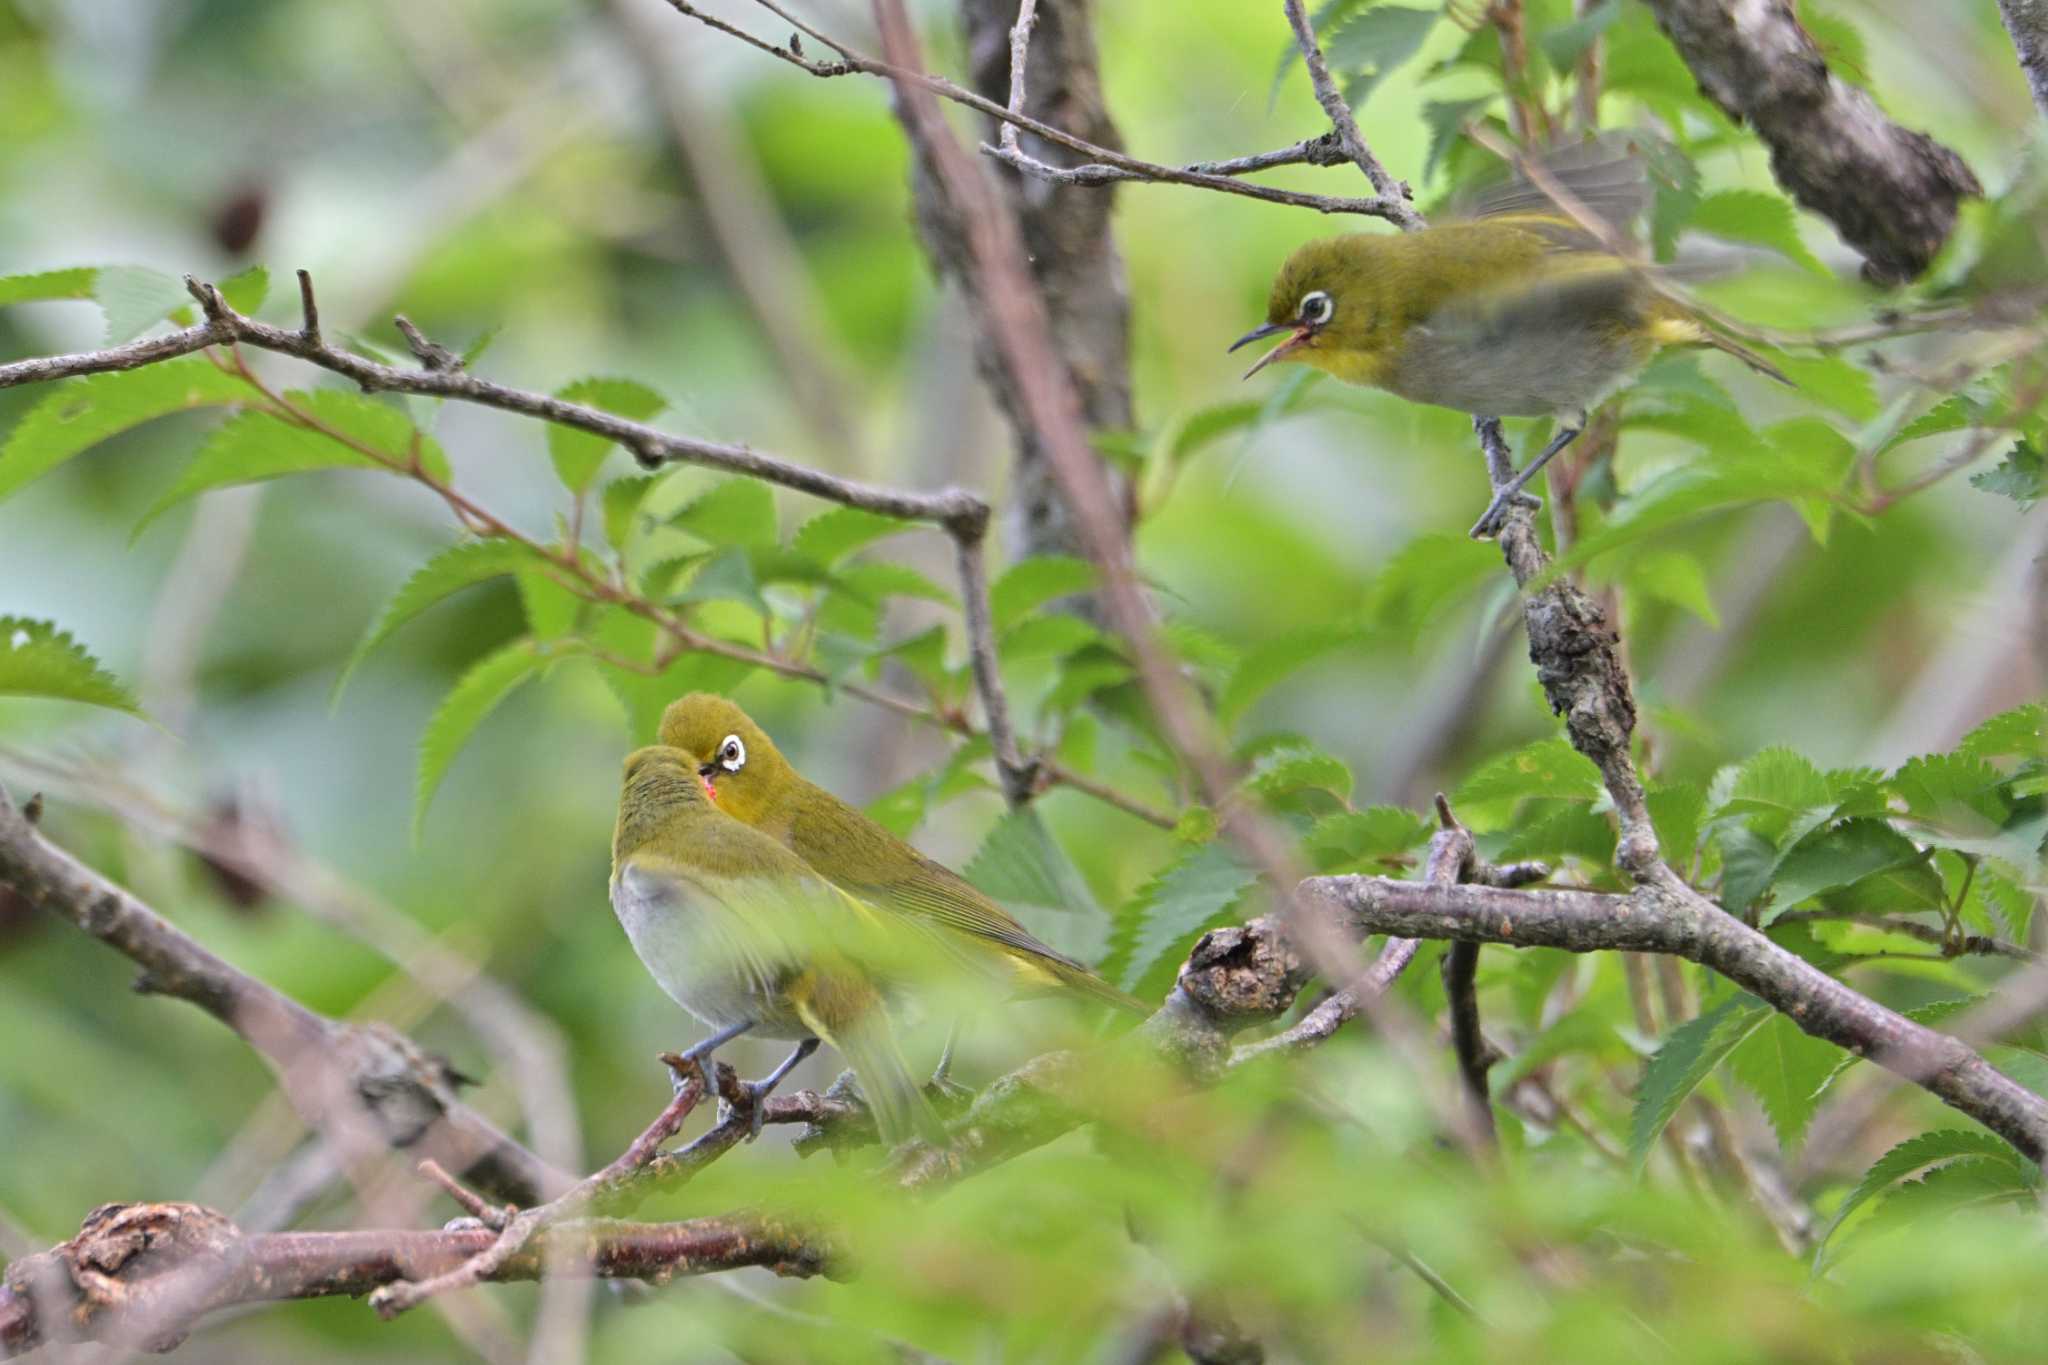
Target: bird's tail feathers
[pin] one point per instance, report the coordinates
(893, 1095)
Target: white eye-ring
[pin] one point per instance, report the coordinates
(1315, 307)
(732, 755)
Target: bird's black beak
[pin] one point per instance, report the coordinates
(1270, 329)
(707, 769)
(1303, 333)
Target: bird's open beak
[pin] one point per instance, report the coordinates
(1299, 339)
(705, 774)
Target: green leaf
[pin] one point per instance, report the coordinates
(246, 290)
(83, 412)
(1785, 1068)
(1688, 1056)
(833, 535)
(136, 299)
(1446, 120)
(1047, 637)
(1576, 830)
(1296, 770)
(578, 454)
(1840, 43)
(48, 284)
(1778, 783)
(1758, 218)
(1792, 471)
(1953, 791)
(1021, 863)
(1549, 767)
(1266, 665)
(622, 498)
(1567, 42)
(551, 609)
(727, 576)
(449, 572)
(735, 512)
(1351, 837)
(2022, 730)
(254, 446)
(1425, 577)
(1084, 677)
(1837, 856)
(1676, 577)
(1916, 1154)
(1675, 813)
(1368, 48)
(39, 660)
(475, 696)
(1031, 583)
(1183, 898)
(1833, 381)
(1328, 15)
(2019, 476)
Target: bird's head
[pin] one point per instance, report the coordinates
(1325, 301)
(745, 772)
(661, 784)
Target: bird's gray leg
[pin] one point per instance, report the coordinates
(758, 1091)
(1499, 464)
(942, 1073)
(701, 1052)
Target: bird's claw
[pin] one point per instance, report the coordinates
(748, 1097)
(1496, 514)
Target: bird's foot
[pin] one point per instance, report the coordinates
(684, 1069)
(745, 1098)
(1496, 514)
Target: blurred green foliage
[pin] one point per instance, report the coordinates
(1839, 716)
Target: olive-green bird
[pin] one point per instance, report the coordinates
(1511, 310)
(739, 932)
(754, 783)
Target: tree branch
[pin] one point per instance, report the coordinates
(141, 1275)
(1891, 193)
(1663, 915)
(360, 1082)
(2027, 22)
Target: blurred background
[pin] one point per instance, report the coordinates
(606, 188)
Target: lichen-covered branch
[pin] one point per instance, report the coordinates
(1891, 192)
(2027, 22)
(143, 1275)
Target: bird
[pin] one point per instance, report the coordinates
(751, 780)
(1512, 308)
(743, 935)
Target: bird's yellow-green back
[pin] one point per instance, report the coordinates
(754, 783)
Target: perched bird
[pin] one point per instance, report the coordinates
(1512, 310)
(751, 781)
(739, 932)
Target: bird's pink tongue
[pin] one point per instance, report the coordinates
(710, 787)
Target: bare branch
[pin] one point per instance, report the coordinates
(1019, 775)
(2027, 22)
(343, 1079)
(131, 1262)
(1663, 915)
(1392, 192)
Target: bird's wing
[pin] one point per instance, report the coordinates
(1603, 176)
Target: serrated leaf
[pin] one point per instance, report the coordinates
(83, 412)
(1839, 41)
(1549, 767)
(1285, 773)
(1567, 42)
(1425, 576)
(1734, 478)
(1833, 381)
(1687, 1057)
(254, 446)
(2021, 475)
(551, 609)
(727, 576)
(1370, 47)
(1678, 578)
(1184, 897)
(1576, 830)
(1082, 678)
(1675, 813)
(135, 299)
(39, 660)
(577, 454)
(1266, 665)
(1958, 412)
(1031, 583)
(1837, 856)
(1327, 15)
(474, 697)
(735, 512)
(447, 573)
(1916, 1154)
(1356, 836)
(246, 290)
(622, 498)
(1044, 637)
(47, 285)
(833, 535)
(1446, 120)
(1953, 791)
(1021, 863)
(1778, 780)
(1785, 1068)
(1758, 218)
(2022, 730)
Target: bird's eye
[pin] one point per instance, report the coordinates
(732, 755)
(1316, 307)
